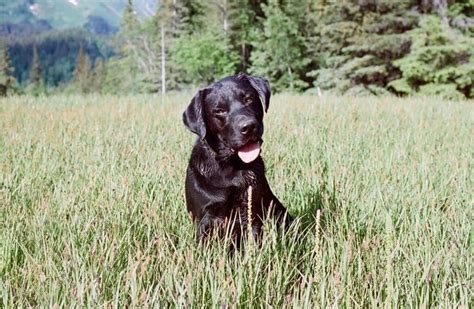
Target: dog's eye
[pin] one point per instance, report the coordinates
(247, 100)
(219, 111)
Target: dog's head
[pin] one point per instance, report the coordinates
(228, 115)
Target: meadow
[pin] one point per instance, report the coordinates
(93, 213)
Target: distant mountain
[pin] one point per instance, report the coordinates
(25, 17)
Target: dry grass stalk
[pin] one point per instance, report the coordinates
(249, 212)
(317, 247)
(318, 228)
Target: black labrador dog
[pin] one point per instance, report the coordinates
(227, 116)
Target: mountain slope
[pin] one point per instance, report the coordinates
(62, 14)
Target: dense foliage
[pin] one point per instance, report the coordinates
(404, 47)
(57, 55)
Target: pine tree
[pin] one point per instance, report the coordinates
(461, 16)
(99, 76)
(279, 49)
(7, 81)
(221, 10)
(204, 56)
(193, 14)
(145, 45)
(383, 38)
(338, 22)
(35, 72)
(129, 34)
(167, 25)
(181, 18)
(440, 62)
(127, 71)
(360, 41)
(200, 50)
(35, 82)
(243, 23)
(81, 80)
(129, 21)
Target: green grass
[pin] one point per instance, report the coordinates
(92, 209)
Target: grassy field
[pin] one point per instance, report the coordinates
(93, 214)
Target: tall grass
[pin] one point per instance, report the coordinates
(93, 213)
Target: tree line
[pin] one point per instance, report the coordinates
(353, 47)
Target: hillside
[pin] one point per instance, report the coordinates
(22, 17)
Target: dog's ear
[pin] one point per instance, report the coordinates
(262, 86)
(193, 116)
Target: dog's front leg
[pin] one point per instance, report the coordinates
(208, 225)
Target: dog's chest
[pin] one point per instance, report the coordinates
(241, 184)
(249, 177)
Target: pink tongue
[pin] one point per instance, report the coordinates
(249, 152)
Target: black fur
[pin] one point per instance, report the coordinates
(226, 116)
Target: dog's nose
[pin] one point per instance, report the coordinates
(248, 127)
